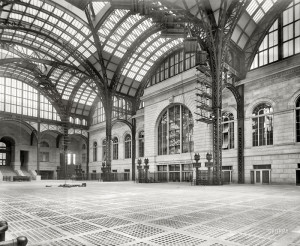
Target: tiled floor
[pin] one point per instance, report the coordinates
(151, 214)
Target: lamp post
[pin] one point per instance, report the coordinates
(58, 171)
(104, 170)
(196, 167)
(139, 167)
(146, 168)
(209, 165)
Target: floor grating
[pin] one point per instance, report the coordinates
(170, 223)
(79, 227)
(140, 230)
(110, 222)
(249, 240)
(177, 239)
(106, 238)
(38, 235)
(129, 214)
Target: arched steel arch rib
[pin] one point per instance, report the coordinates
(52, 95)
(122, 121)
(142, 51)
(9, 46)
(79, 135)
(103, 77)
(126, 34)
(234, 91)
(129, 53)
(93, 109)
(103, 18)
(75, 90)
(42, 61)
(63, 45)
(261, 30)
(152, 70)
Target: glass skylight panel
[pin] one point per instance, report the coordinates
(37, 3)
(267, 5)
(62, 25)
(87, 43)
(15, 16)
(57, 32)
(74, 42)
(135, 68)
(66, 37)
(138, 78)
(48, 7)
(252, 7)
(31, 11)
(58, 12)
(86, 31)
(93, 49)
(19, 7)
(98, 6)
(48, 27)
(131, 75)
(86, 54)
(71, 30)
(143, 72)
(118, 54)
(68, 18)
(257, 17)
(27, 19)
(77, 24)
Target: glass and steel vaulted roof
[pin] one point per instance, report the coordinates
(54, 39)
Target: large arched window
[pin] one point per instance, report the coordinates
(141, 144)
(115, 148)
(228, 130)
(175, 131)
(95, 151)
(2, 154)
(298, 119)
(262, 125)
(127, 146)
(104, 150)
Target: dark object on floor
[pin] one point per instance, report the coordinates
(21, 178)
(70, 186)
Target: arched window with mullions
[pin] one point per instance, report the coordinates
(127, 146)
(115, 148)
(228, 130)
(95, 151)
(298, 119)
(3, 151)
(175, 131)
(141, 144)
(104, 150)
(262, 125)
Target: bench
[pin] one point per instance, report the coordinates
(21, 178)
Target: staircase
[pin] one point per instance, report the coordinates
(25, 172)
(7, 172)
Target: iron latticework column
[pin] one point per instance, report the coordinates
(213, 37)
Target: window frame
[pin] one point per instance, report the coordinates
(171, 129)
(259, 119)
(95, 151)
(115, 148)
(128, 146)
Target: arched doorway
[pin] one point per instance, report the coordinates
(6, 151)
